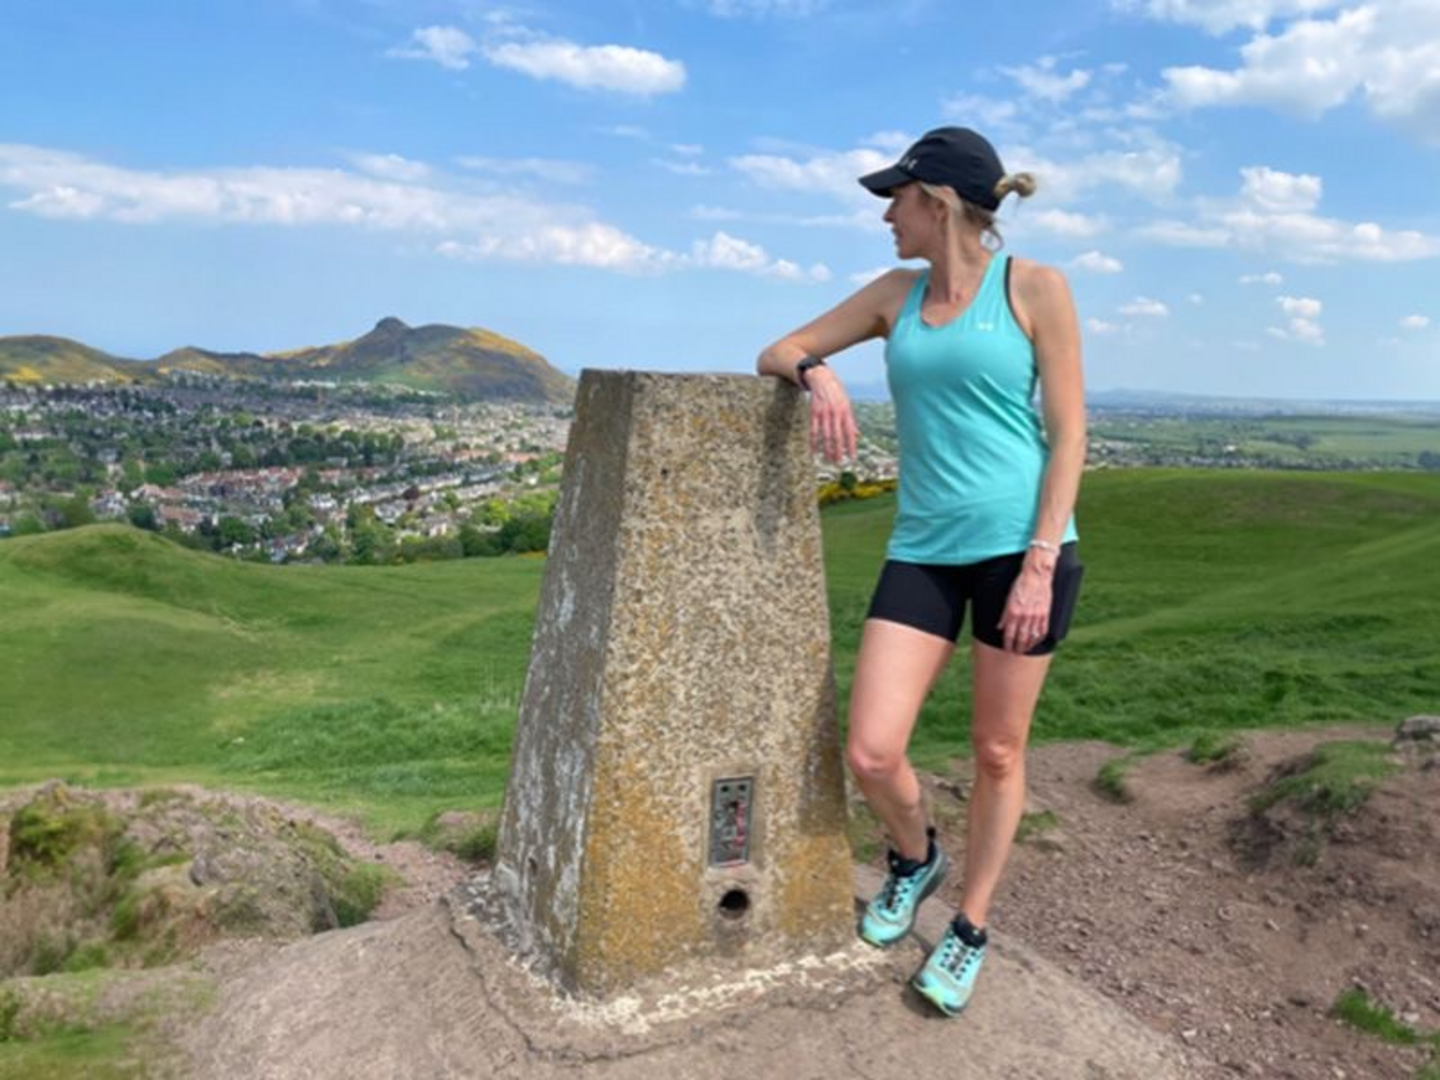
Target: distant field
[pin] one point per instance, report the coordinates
(1315, 442)
(1213, 600)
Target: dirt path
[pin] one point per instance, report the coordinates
(1167, 906)
(1170, 912)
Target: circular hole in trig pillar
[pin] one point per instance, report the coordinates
(734, 904)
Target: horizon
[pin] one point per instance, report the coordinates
(869, 392)
(671, 186)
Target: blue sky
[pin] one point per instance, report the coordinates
(1242, 192)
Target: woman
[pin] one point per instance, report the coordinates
(984, 517)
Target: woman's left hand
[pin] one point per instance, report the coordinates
(1027, 611)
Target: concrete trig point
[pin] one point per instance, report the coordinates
(676, 793)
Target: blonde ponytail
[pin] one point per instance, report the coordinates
(1022, 184)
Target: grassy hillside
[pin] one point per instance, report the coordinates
(124, 659)
(469, 363)
(39, 359)
(1212, 600)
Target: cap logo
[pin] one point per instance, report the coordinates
(909, 163)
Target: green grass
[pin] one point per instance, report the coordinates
(103, 1054)
(1110, 780)
(1214, 748)
(1355, 1007)
(387, 691)
(1035, 824)
(1214, 602)
(1389, 441)
(1335, 779)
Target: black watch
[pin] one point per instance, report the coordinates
(804, 366)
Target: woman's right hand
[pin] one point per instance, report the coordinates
(832, 419)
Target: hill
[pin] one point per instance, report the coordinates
(1213, 601)
(467, 363)
(34, 358)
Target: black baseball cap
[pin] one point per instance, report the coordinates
(956, 156)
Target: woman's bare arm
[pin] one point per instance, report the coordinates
(866, 314)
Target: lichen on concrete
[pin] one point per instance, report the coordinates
(682, 637)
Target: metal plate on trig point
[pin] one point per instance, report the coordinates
(730, 804)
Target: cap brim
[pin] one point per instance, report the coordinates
(885, 181)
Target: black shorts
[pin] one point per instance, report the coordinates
(933, 598)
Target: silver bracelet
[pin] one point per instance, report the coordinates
(1045, 545)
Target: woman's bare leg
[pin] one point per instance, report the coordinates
(1006, 689)
(894, 671)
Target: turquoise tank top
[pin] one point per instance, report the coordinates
(972, 453)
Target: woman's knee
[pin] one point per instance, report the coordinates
(999, 758)
(874, 763)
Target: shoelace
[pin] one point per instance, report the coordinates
(896, 885)
(957, 955)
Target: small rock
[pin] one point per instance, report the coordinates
(1419, 728)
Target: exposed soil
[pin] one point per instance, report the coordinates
(1188, 910)
(1183, 906)
(1192, 913)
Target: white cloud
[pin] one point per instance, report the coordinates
(594, 244)
(1282, 192)
(760, 9)
(1100, 326)
(983, 113)
(1303, 307)
(618, 68)
(1153, 172)
(1220, 16)
(725, 252)
(1185, 234)
(891, 142)
(1098, 263)
(1063, 223)
(390, 166)
(461, 223)
(825, 173)
(627, 131)
(558, 170)
(1268, 278)
(1271, 214)
(1415, 322)
(1042, 81)
(445, 45)
(1196, 298)
(687, 149)
(1143, 305)
(1303, 312)
(1386, 52)
(681, 168)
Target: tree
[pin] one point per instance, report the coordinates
(27, 524)
(160, 473)
(75, 511)
(475, 542)
(233, 532)
(372, 543)
(525, 532)
(142, 516)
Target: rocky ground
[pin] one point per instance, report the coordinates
(1232, 931)
(1229, 929)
